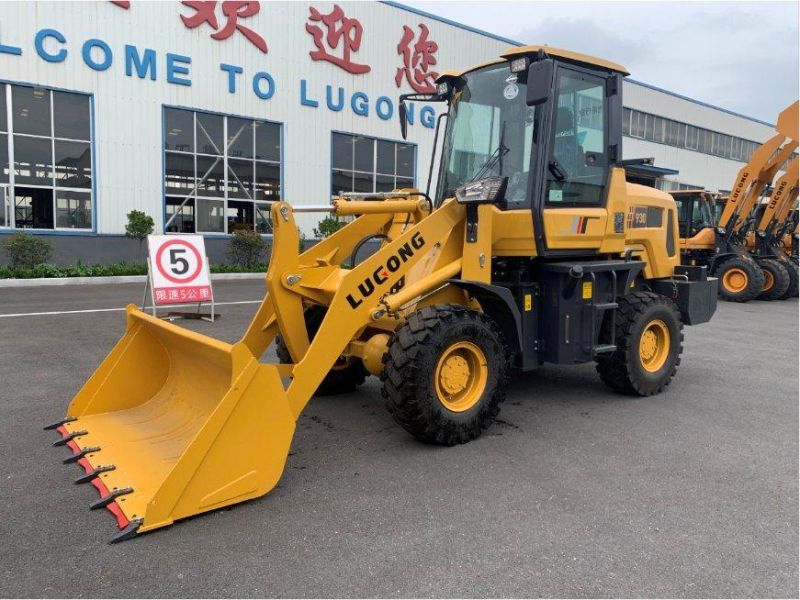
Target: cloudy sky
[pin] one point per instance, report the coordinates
(742, 56)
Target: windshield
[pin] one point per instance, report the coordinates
(489, 133)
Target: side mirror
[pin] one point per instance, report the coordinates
(403, 114)
(540, 82)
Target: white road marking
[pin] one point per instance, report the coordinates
(98, 310)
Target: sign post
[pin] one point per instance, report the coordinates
(178, 273)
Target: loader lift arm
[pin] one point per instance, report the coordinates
(758, 173)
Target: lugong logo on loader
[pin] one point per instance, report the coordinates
(381, 275)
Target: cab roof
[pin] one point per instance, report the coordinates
(576, 57)
(568, 55)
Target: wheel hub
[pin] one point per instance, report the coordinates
(461, 376)
(769, 280)
(654, 345)
(735, 280)
(455, 374)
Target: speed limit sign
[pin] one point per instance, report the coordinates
(178, 269)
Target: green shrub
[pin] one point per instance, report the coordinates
(27, 251)
(117, 269)
(326, 227)
(139, 226)
(246, 248)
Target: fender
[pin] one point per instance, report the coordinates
(499, 303)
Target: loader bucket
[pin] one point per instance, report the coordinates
(174, 423)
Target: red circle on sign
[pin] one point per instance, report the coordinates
(172, 278)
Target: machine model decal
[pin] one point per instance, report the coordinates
(645, 216)
(382, 273)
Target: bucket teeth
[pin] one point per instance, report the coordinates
(69, 437)
(127, 533)
(79, 455)
(92, 474)
(106, 500)
(59, 423)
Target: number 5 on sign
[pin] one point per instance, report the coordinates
(178, 272)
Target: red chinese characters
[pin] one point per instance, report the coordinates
(339, 29)
(417, 60)
(205, 12)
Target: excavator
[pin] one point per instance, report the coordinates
(535, 249)
(721, 243)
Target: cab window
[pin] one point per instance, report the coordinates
(577, 167)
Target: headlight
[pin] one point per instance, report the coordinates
(721, 230)
(483, 191)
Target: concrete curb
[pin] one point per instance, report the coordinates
(51, 281)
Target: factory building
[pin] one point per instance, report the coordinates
(201, 113)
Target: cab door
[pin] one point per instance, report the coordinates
(576, 169)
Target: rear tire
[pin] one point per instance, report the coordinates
(776, 279)
(649, 338)
(445, 374)
(345, 375)
(794, 280)
(740, 279)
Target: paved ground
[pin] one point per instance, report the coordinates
(575, 492)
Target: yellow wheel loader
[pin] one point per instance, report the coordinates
(721, 243)
(766, 241)
(535, 249)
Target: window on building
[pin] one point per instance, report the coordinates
(653, 128)
(626, 121)
(46, 158)
(220, 172)
(638, 124)
(660, 129)
(365, 164)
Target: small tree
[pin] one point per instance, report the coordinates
(27, 251)
(246, 248)
(326, 227)
(139, 226)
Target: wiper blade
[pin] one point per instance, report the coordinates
(494, 158)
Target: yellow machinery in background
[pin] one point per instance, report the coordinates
(745, 272)
(535, 250)
(766, 239)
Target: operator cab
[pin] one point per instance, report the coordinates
(695, 211)
(538, 129)
(542, 118)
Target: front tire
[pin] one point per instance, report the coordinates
(649, 339)
(776, 279)
(740, 279)
(445, 374)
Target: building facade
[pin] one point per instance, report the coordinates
(201, 113)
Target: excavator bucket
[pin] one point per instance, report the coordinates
(174, 423)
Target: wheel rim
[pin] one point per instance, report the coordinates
(654, 345)
(460, 377)
(735, 280)
(769, 279)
